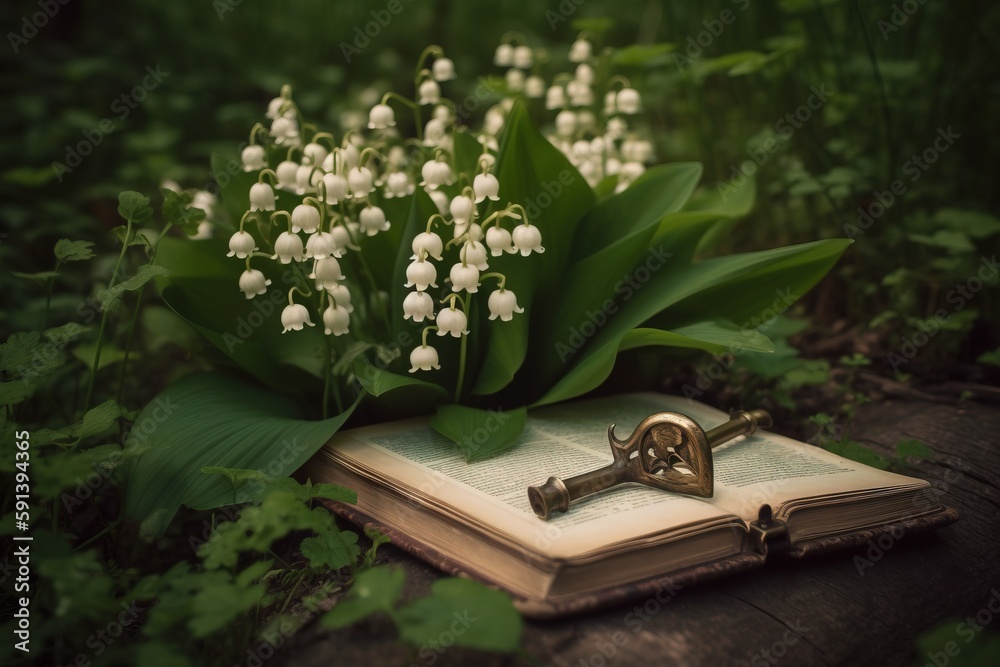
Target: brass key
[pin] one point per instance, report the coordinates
(668, 451)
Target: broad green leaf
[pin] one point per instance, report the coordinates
(480, 434)
(73, 251)
(375, 590)
(476, 616)
(378, 381)
(738, 288)
(716, 337)
(333, 549)
(208, 420)
(535, 174)
(112, 297)
(84, 352)
(134, 207)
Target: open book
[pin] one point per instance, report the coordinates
(474, 518)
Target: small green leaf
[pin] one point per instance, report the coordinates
(645, 55)
(375, 590)
(905, 449)
(73, 251)
(112, 297)
(41, 276)
(479, 433)
(12, 393)
(334, 492)
(177, 210)
(992, 358)
(476, 616)
(134, 207)
(334, 549)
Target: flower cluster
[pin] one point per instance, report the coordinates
(591, 130)
(338, 189)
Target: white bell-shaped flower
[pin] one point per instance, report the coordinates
(345, 235)
(322, 245)
(534, 87)
(610, 103)
(465, 277)
(294, 316)
(274, 107)
(286, 172)
(527, 239)
(373, 220)
(452, 321)
(555, 98)
(515, 80)
(397, 158)
(206, 230)
(261, 197)
(242, 245)
(314, 154)
(326, 273)
(288, 247)
(616, 127)
(493, 121)
(443, 69)
(435, 174)
(253, 283)
(424, 358)
(435, 132)
(629, 100)
(418, 306)
(462, 209)
(486, 186)
(380, 117)
(499, 240)
(398, 184)
(503, 304)
(359, 180)
(504, 56)
(336, 188)
(580, 93)
(254, 158)
(475, 232)
(429, 92)
(307, 178)
(351, 154)
(336, 320)
(428, 243)
(565, 123)
(305, 218)
(523, 57)
(580, 51)
(637, 150)
(341, 296)
(420, 274)
(285, 131)
(474, 252)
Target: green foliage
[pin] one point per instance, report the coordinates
(480, 434)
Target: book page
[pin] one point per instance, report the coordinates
(493, 492)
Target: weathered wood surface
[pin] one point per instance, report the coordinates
(832, 609)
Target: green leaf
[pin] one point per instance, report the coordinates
(479, 433)
(101, 419)
(906, 449)
(378, 381)
(375, 590)
(715, 337)
(740, 288)
(73, 251)
(110, 355)
(334, 549)
(645, 55)
(334, 492)
(208, 420)
(177, 210)
(12, 393)
(41, 276)
(112, 297)
(534, 173)
(476, 616)
(992, 357)
(134, 207)
(976, 224)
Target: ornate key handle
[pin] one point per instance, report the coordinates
(668, 451)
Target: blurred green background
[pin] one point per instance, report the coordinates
(896, 74)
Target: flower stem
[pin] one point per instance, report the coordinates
(463, 348)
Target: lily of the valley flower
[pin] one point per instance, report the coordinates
(580, 51)
(305, 218)
(286, 172)
(322, 245)
(503, 304)
(429, 92)
(418, 306)
(452, 321)
(527, 238)
(443, 69)
(342, 296)
(336, 320)
(254, 158)
(465, 277)
(336, 188)
(398, 184)
(534, 87)
(253, 283)
(241, 244)
(462, 209)
(294, 316)
(523, 57)
(555, 98)
(421, 274)
(359, 180)
(474, 253)
(428, 243)
(373, 220)
(326, 273)
(504, 56)
(288, 247)
(486, 186)
(499, 241)
(629, 100)
(424, 358)
(261, 197)
(440, 200)
(436, 173)
(380, 117)
(285, 131)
